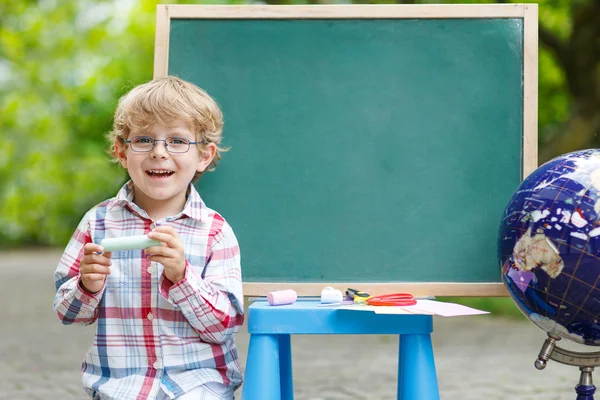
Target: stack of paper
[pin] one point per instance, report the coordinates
(423, 307)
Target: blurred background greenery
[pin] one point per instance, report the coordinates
(64, 64)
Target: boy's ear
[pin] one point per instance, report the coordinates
(206, 156)
(120, 152)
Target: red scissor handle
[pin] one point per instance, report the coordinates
(394, 299)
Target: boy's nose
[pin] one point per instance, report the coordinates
(159, 150)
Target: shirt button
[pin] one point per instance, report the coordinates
(150, 270)
(150, 316)
(156, 364)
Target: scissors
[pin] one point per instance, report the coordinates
(357, 295)
(393, 299)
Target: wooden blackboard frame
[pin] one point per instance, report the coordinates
(529, 14)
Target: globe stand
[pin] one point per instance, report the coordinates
(585, 361)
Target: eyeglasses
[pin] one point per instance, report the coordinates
(145, 144)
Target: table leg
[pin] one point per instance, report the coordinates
(417, 379)
(261, 378)
(285, 367)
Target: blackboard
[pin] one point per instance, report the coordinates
(371, 146)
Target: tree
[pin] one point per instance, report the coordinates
(574, 43)
(64, 65)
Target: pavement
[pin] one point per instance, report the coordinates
(477, 357)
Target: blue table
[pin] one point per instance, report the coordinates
(269, 364)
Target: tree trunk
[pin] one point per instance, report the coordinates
(580, 132)
(580, 58)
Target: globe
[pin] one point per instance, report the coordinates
(549, 247)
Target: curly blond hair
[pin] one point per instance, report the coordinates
(164, 101)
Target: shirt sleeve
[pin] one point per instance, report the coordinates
(214, 306)
(72, 304)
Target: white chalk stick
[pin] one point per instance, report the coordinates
(128, 243)
(330, 295)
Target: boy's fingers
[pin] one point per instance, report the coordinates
(95, 277)
(161, 237)
(95, 269)
(91, 248)
(98, 259)
(159, 259)
(164, 230)
(107, 254)
(162, 251)
(155, 250)
(170, 240)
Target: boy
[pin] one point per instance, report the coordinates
(166, 316)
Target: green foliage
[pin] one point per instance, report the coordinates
(554, 100)
(66, 64)
(63, 66)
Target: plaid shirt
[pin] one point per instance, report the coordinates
(151, 334)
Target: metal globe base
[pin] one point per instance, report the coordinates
(585, 361)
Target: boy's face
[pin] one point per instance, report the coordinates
(161, 177)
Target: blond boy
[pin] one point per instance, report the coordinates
(165, 316)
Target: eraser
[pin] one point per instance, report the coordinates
(330, 295)
(128, 243)
(282, 297)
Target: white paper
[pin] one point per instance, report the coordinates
(383, 309)
(444, 309)
(423, 307)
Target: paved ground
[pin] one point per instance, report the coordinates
(478, 357)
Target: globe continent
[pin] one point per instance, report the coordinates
(549, 247)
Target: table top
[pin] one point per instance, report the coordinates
(306, 316)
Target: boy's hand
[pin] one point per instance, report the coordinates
(170, 254)
(94, 268)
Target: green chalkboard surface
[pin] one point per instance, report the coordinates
(362, 150)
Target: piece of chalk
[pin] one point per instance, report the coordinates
(128, 243)
(282, 297)
(330, 295)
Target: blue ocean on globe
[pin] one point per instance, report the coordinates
(549, 247)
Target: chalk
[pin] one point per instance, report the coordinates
(128, 243)
(282, 297)
(330, 295)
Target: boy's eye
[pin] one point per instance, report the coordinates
(142, 139)
(176, 140)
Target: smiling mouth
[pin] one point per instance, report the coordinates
(159, 173)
